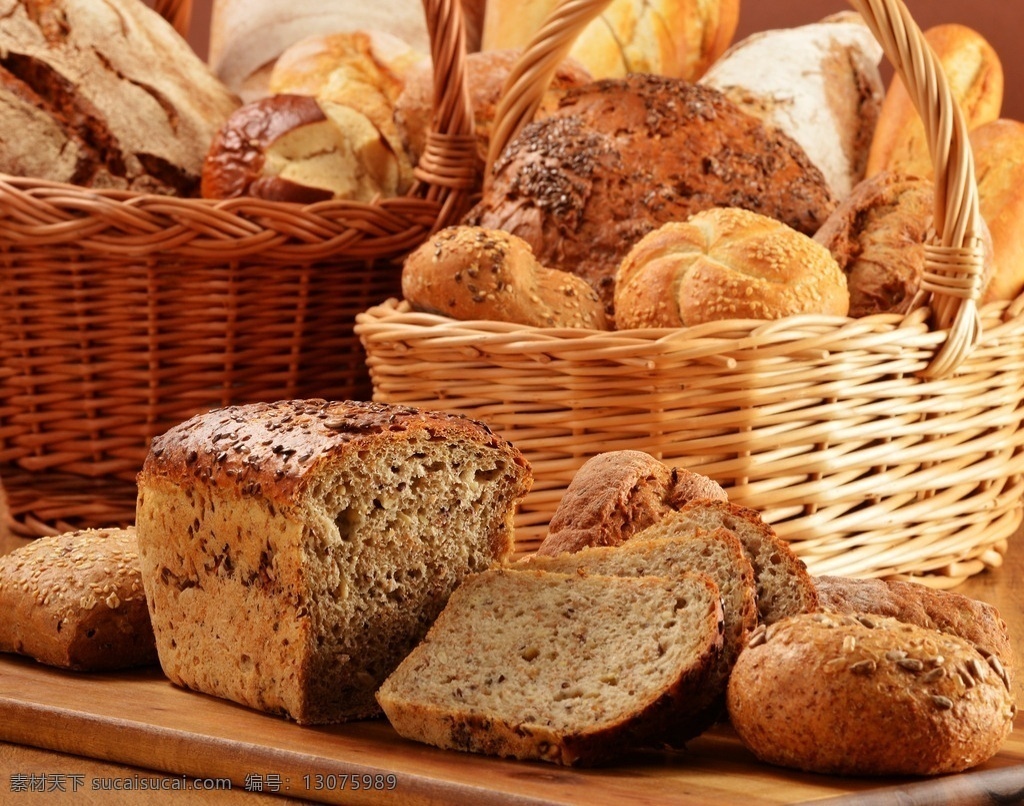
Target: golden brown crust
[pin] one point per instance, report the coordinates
(616, 495)
(867, 695)
(475, 273)
(945, 611)
(998, 149)
(975, 75)
(619, 158)
(725, 263)
(76, 601)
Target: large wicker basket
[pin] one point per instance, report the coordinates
(124, 314)
(881, 446)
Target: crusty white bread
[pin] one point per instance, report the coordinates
(76, 600)
(565, 668)
(294, 552)
(868, 695)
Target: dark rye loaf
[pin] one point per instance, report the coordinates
(294, 552)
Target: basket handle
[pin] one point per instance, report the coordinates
(954, 261)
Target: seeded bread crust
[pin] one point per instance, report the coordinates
(294, 552)
(617, 494)
(76, 601)
(946, 611)
(565, 668)
(866, 695)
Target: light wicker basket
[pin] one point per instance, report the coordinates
(124, 314)
(881, 446)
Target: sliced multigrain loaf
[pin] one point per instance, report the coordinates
(784, 586)
(294, 552)
(616, 494)
(946, 611)
(566, 668)
(665, 551)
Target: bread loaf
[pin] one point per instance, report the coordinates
(867, 695)
(619, 158)
(819, 83)
(486, 73)
(942, 610)
(998, 149)
(677, 38)
(563, 668)
(475, 273)
(294, 552)
(362, 70)
(294, 148)
(975, 75)
(663, 551)
(784, 586)
(617, 494)
(76, 600)
(725, 263)
(877, 235)
(83, 103)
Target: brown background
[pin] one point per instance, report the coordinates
(999, 21)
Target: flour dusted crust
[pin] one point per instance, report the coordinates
(76, 600)
(620, 157)
(565, 668)
(293, 552)
(868, 695)
(83, 103)
(617, 494)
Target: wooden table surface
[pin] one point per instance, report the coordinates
(76, 735)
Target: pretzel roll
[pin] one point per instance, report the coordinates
(678, 38)
(726, 263)
(475, 273)
(975, 76)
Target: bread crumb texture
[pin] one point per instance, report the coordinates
(294, 552)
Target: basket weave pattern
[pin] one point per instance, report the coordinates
(126, 313)
(882, 446)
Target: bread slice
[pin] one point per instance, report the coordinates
(294, 552)
(565, 668)
(784, 586)
(76, 601)
(664, 551)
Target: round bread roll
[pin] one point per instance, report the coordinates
(867, 695)
(999, 167)
(678, 38)
(617, 494)
(877, 235)
(826, 94)
(621, 157)
(726, 263)
(474, 273)
(296, 149)
(363, 70)
(975, 76)
(486, 72)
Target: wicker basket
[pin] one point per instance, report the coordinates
(882, 446)
(124, 313)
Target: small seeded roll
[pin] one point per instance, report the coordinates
(865, 695)
(76, 600)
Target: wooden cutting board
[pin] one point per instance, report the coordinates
(141, 719)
